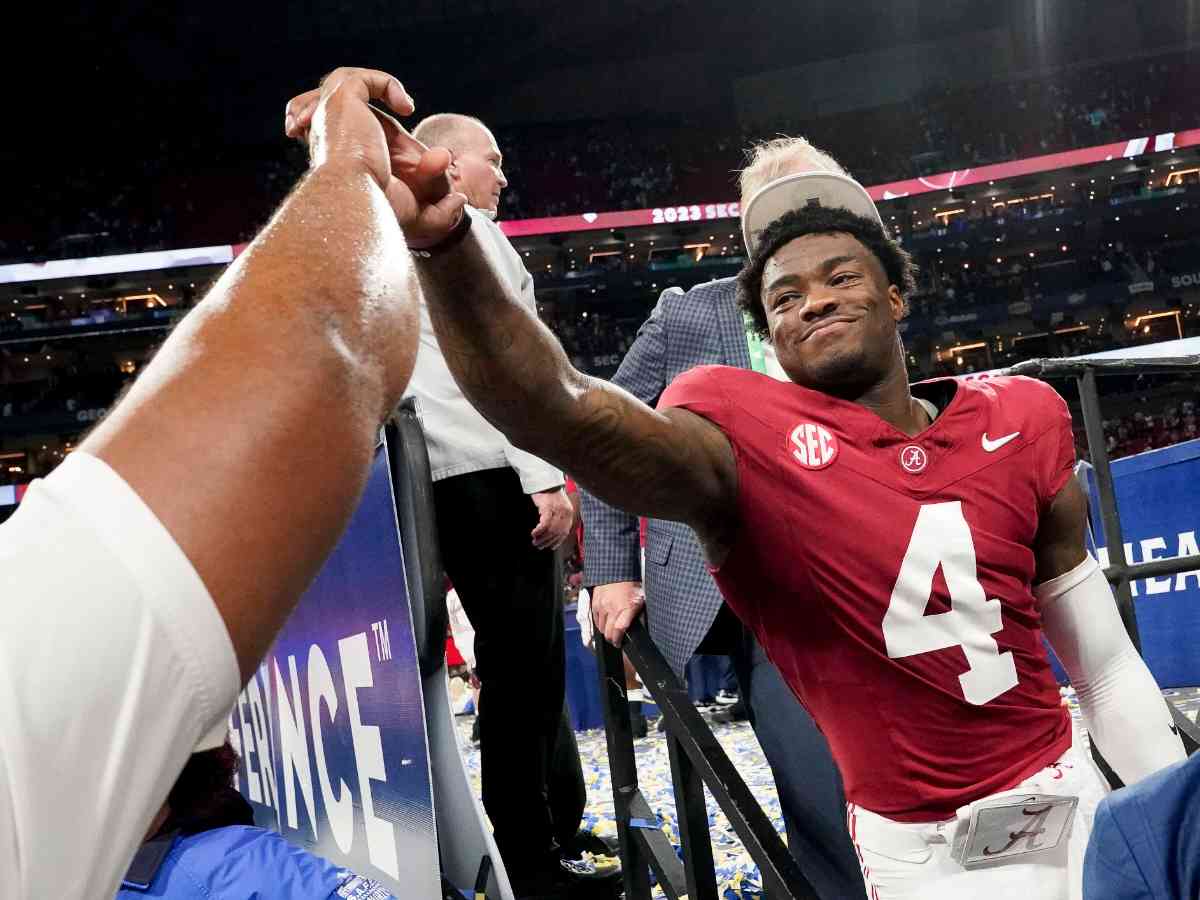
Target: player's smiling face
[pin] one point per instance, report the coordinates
(831, 312)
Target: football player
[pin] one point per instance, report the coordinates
(898, 550)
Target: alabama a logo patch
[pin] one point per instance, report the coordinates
(913, 459)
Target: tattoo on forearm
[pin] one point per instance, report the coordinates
(514, 371)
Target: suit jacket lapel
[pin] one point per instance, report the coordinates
(729, 324)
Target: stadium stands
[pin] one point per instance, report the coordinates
(167, 197)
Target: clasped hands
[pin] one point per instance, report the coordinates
(342, 128)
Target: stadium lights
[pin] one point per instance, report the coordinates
(1158, 315)
(962, 348)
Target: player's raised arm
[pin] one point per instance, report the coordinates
(290, 363)
(670, 465)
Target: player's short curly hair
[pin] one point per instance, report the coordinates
(896, 261)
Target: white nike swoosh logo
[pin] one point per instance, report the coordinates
(993, 446)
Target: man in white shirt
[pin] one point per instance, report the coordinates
(142, 581)
(501, 512)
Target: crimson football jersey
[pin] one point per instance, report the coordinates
(888, 577)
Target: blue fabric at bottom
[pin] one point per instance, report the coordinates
(240, 861)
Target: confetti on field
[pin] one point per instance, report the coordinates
(737, 875)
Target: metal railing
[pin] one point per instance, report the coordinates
(1119, 572)
(697, 760)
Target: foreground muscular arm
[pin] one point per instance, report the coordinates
(288, 365)
(670, 465)
(1121, 704)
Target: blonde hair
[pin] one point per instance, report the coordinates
(768, 160)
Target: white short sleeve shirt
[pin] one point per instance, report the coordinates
(114, 667)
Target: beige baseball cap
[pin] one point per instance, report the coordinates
(818, 188)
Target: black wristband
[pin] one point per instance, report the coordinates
(449, 242)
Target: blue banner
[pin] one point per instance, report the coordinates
(1158, 498)
(331, 729)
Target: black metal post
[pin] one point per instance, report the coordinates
(646, 831)
(622, 767)
(781, 875)
(692, 813)
(1118, 572)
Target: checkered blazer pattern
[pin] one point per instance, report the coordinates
(701, 327)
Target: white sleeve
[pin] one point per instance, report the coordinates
(583, 616)
(114, 667)
(460, 628)
(535, 474)
(1122, 705)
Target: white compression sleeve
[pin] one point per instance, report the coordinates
(1121, 704)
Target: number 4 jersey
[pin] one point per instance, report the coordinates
(888, 577)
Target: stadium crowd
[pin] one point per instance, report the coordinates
(164, 199)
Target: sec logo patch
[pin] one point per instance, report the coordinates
(813, 446)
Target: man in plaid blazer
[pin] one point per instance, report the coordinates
(685, 611)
